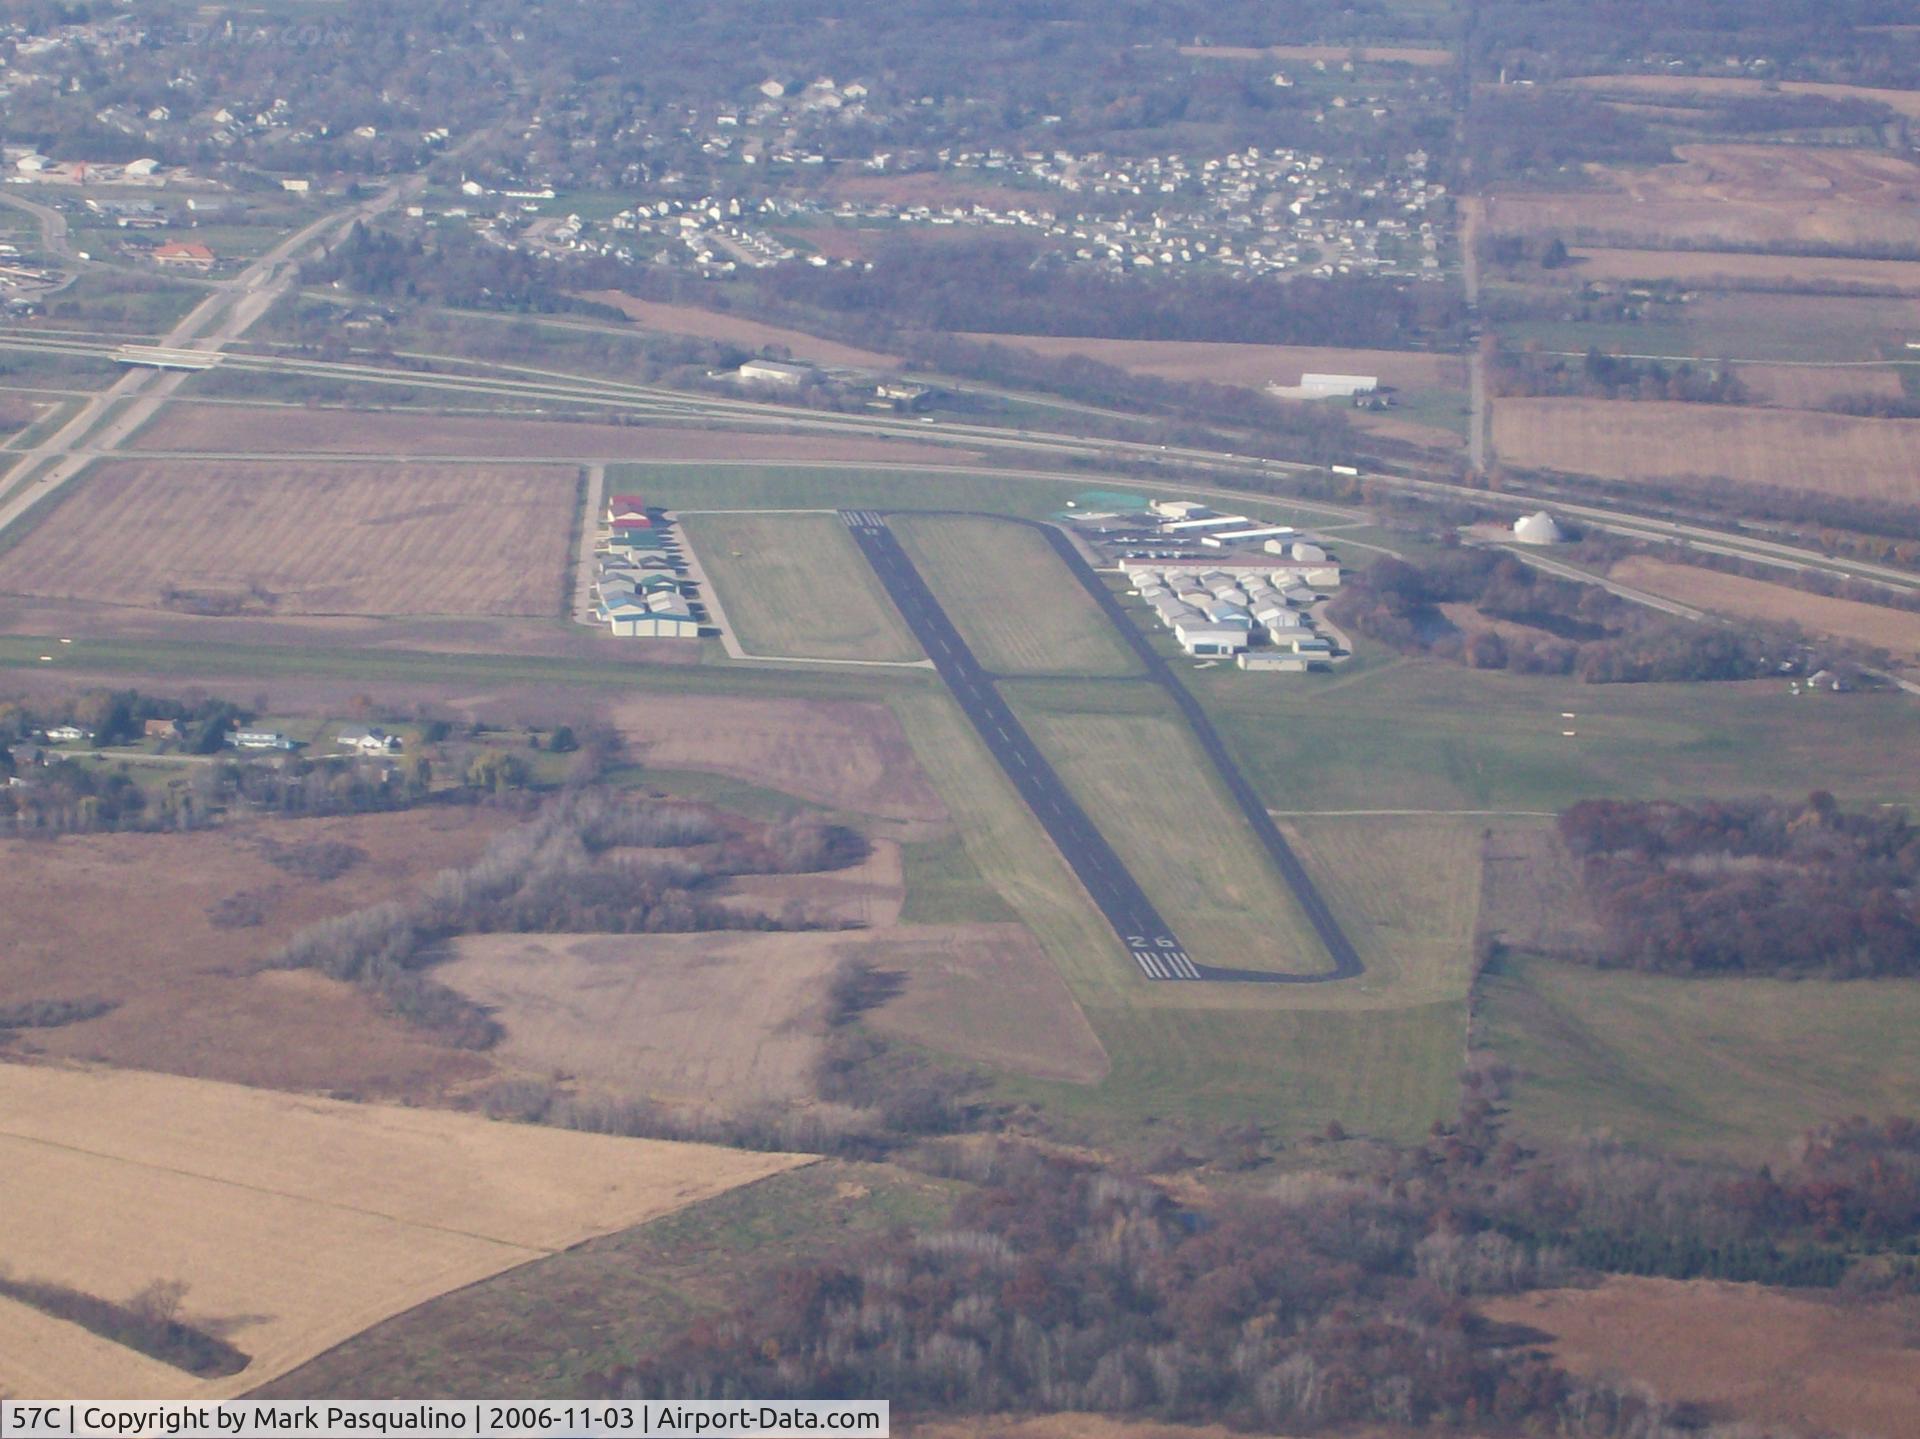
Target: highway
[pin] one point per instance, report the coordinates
(1113, 889)
(660, 403)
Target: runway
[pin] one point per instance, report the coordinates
(1154, 947)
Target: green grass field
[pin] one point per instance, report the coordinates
(1019, 608)
(1182, 1054)
(1143, 780)
(1426, 734)
(708, 485)
(1406, 889)
(796, 585)
(1709, 1067)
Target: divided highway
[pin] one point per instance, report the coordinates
(1106, 879)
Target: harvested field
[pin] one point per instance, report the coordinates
(740, 330)
(867, 895)
(1902, 102)
(130, 918)
(1021, 610)
(723, 1022)
(1189, 361)
(1800, 1360)
(797, 585)
(294, 1222)
(1867, 624)
(845, 755)
(1722, 270)
(224, 429)
(1659, 441)
(1731, 195)
(305, 539)
(1390, 426)
(1814, 387)
(1331, 54)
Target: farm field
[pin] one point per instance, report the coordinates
(113, 1179)
(1331, 54)
(1729, 196)
(739, 330)
(137, 920)
(305, 539)
(1663, 441)
(1142, 779)
(844, 754)
(1813, 387)
(1800, 328)
(632, 1017)
(1424, 734)
(545, 1329)
(1020, 609)
(292, 430)
(1722, 270)
(1901, 102)
(1770, 1358)
(1890, 629)
(1221, 363)
(1406, 889)
(796, 585)
(1701, 1067)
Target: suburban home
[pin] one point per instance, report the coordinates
(368, 741)
(68, 734)
(160, 729)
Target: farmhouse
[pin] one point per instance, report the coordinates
(368, 741)
(160, 729)
(69, 734)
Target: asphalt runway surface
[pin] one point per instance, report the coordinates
(1118, 896)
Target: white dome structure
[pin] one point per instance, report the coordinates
(1538, 529)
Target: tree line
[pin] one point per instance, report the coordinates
(1760, 886)
(1563, 627)
(566, 872)
(1059, 1283)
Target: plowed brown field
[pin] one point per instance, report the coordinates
(236, 429)
(307, 538)
(1764, 1356)
(1621, 440)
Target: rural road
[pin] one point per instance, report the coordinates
(1106, 879)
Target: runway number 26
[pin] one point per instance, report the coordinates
(1140, 941)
